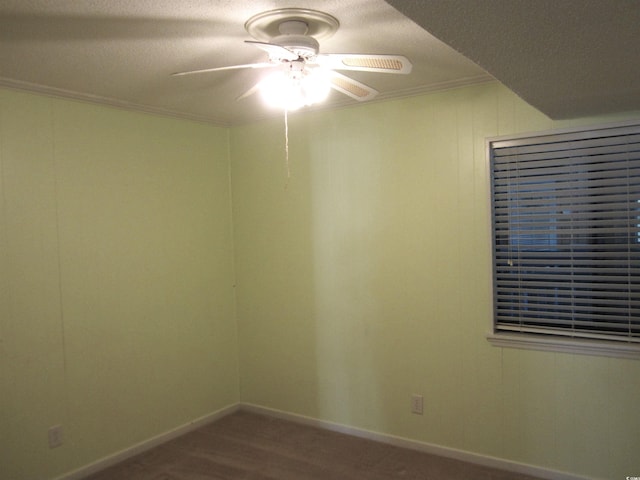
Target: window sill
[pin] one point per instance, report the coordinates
(568, 345)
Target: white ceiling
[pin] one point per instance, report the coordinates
(122, 52)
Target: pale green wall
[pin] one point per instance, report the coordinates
(116, 280)
(363, 278)
(366, 277)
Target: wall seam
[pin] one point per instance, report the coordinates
(234, 274)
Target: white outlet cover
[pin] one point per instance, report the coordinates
(417, 404)
(55, 436)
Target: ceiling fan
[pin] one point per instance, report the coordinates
(301, 75)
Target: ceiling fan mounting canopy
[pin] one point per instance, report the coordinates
(266, 26)
(293, 27)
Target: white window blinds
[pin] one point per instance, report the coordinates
(566, 234)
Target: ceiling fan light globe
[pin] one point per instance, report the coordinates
(293, 89)
(279, 91)
(315, 86)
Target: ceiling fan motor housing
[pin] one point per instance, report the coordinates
(302, 45)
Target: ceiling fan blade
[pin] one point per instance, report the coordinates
(365, 63)
(249, 92)
(231, 67)
(351, 87)
(275, 51)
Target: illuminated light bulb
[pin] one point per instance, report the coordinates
(277, 91)
(315, 86)
(295, 87)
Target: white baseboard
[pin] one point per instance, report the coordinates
(478, 459)
(141, 447)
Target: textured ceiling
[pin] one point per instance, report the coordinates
(567, 58)
(122, 52)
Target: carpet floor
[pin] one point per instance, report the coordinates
(248, 446)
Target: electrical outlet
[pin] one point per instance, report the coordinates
(55, 436)
(417, 404)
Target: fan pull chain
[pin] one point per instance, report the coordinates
(286, 145)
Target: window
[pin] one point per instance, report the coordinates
(566, 240)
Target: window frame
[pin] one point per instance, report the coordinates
(547, 341)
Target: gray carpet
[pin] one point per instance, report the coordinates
(249, 446)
